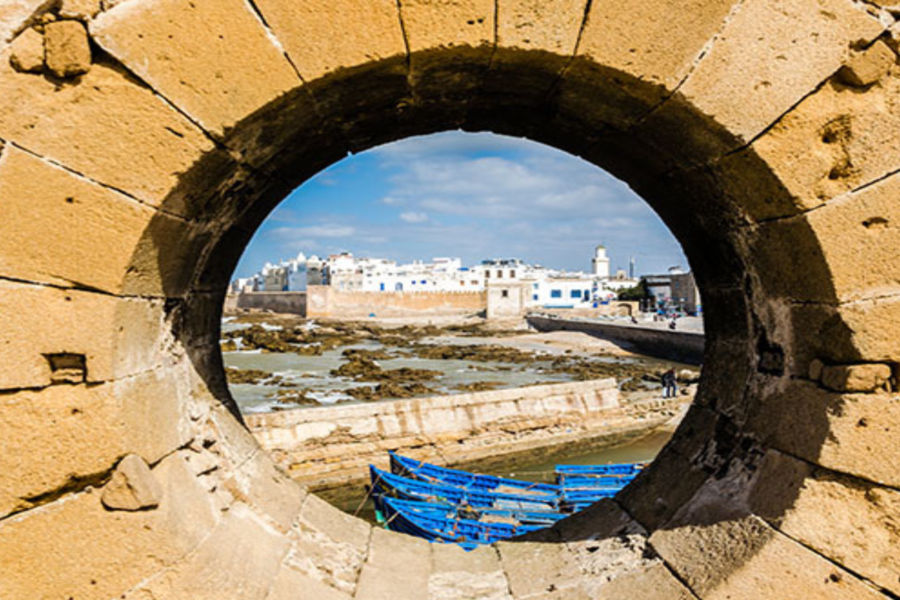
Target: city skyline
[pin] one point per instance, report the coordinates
(465, 195)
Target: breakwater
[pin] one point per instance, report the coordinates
(332, 446)
(682, 346)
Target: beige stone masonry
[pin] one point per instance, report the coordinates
(851, 522)
(35, 191)
(869, 66)
(835, 141)
(552, 26)
(14, 14)
(87, 136)
(855, 378)
(79, 9)
(28, 52)
(769, 56)
(132, 486)
(199, 55)
(322, 36)
(842, 438)
(66, 49)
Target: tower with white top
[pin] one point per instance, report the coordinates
(600, 262)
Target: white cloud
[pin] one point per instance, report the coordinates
(413, 217)
(328, 230)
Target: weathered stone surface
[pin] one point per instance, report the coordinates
(838, 431)
(855, 378)
(27, 52)
(813, 506)
(833, 142)
(79, 126)
(868, 66)
(539, 25)
(36, 192)
(14, 14)
(397, 567)
(201, 55)
(653, 582)
(135, 544)
(260, 484)
(132, 486)
(460, 575)
(857, 228)
(70, 322)
(632, 43)
(533, 569)
(66, 49)
(291, 584)
(322, 36)
(240, 559)
(769, 55)
(79, 9)
(747, 559)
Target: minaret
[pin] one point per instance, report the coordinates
(600, 262)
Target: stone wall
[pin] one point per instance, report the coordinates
(326, 302)
(332, 445)
(281, 302)
(681, 346)
(142, 143)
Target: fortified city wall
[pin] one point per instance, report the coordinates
(333, 445)
(324, 301)
(141, 146)
(292, 303)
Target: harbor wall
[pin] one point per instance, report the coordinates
(332, 446)
(682, 346)
(280, 302)
(327, 302)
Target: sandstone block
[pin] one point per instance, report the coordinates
(835, 141)
(745, 558)
(397, 567)
(101, 553)
(322, 36)
(66, 49)
(14, 14)
(80, 126)
(261, 485)
(653, 582)
(815, 369)
(855, 378)
(290, 584)
(552, 26)
(812, 506)
(79, 9)
(27, 52)
(240, 559)
(533, 569)
(838, 431)
(769, 55)
(212, 58)
(132, 486)
(869, 66)
(457, 574)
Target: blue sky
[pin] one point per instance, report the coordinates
(467, 195)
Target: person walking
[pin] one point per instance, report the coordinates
(670, 389)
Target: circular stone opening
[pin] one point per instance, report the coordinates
(505, 365)
(169, 130)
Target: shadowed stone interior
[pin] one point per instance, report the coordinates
(764, 134)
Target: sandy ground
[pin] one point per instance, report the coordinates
(553, 342)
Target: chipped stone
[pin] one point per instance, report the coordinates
(79, 9)
(855, 378)
(867, 67)
(132, 487)
(27, 52)
(815, 369)
(67, 52)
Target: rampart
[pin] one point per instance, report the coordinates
(681, 346)
(281, 302)
(328, 302)
(329, 446)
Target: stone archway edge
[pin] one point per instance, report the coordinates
(139, 142)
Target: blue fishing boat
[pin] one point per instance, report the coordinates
(479, 513)
(600, 470)
(389, 484)
(467, 533)
(416, 469)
